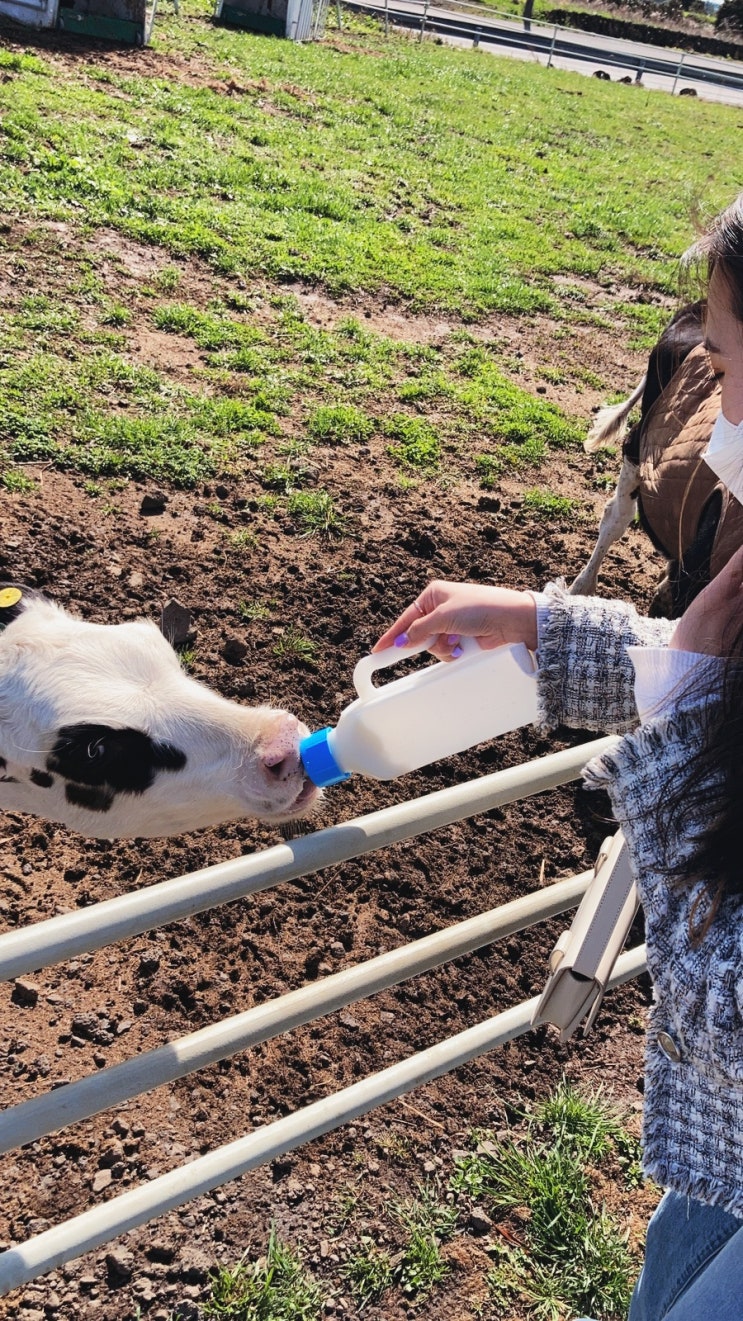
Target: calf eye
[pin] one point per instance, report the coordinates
(97, 749)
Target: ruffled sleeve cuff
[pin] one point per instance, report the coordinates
(665, 676)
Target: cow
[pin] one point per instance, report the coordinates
(101, 729)
(688, 514)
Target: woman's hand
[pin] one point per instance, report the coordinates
(447, 612)
(714, 620)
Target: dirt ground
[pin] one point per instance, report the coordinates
(102, 1008)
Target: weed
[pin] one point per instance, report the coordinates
(369, 1272)
(574, 1258)
(252, 611)
(545, 504)
(339, 424)
(242, 539)
(282, 477)
(426, 1214)
(168, 279)
(187, 656)
(396, 1147)
(422, 1265)
(347, 1203)
(17, 482)
(276, 1288)
(416, 443)
(291, 645)
(116, 315)
(582, 1124)
(315, 512)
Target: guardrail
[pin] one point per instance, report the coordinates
(468, 20)
(131, 914)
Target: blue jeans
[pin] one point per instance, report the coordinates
(693, 1265)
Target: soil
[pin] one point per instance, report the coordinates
(102, 1008)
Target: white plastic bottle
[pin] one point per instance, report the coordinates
(432, 713)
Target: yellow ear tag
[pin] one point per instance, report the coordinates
(10, 596)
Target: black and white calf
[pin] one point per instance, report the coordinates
(101, 729)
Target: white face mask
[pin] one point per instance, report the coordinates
(724, 455)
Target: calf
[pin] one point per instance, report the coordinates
(679, 502)
(101, 729)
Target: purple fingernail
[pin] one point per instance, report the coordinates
(401, 640)
(452, 639)
(457, 652)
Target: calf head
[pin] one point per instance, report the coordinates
(101, 729)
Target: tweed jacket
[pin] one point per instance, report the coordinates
(693, 1104)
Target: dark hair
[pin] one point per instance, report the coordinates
(720, 249)
(713, 789)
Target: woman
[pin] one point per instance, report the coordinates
(676, 787)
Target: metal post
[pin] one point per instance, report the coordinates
(423, 20)
(552, 47)
(84, 1233)
(386, 18)
(678, 73)
(86, 929)
(338, 15)
(33, 1119)
(476, 39)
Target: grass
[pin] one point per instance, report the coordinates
(501, 176)
(314, 512)
(561, 1253)
(340, 424)
(275, 1288)
(547, 505)
(574, 1257)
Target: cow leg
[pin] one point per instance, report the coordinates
(616, 518)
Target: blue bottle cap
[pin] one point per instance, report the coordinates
(319, 762)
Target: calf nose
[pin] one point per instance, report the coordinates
(279, 751)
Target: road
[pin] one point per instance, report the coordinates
(582, 52)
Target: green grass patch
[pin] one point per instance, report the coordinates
(502, 175)
(574, 1259)
(315, 512)
(275, 1288)
(547, 505)
(340, 424)
(415, 442)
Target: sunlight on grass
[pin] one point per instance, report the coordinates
(448, 177)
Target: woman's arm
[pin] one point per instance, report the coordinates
(585, 675)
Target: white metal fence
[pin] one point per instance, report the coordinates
(131, 914)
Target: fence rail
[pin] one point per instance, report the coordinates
(131, 914)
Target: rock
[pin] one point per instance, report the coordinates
(119, 1266)
(194, 1265)
(337, 949)
(221, 492)
(148, 965)
(25, 993)
(235, 650)
(175, 623)
(153, 502)
(101, 1180)
(480, 1223)
(135, 579)
(349, 1021)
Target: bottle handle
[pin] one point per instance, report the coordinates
(381, 660)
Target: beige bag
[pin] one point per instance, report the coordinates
(583, 958)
